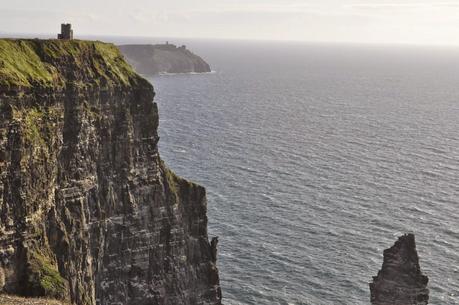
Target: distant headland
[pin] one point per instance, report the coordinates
(150, 59)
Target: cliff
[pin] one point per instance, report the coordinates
(88, 210)
(400, 280)
(166, 58)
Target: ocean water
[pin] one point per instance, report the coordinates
(315, 159)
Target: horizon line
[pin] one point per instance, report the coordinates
(83, 36)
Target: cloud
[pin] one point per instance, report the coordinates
(402, 5)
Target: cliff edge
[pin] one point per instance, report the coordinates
(400, 280)
(163, 58)
(88, 210)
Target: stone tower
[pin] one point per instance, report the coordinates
(66, 32)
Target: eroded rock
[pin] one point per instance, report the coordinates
(400, 280)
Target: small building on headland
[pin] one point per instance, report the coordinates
(66, 32)
(169, 46)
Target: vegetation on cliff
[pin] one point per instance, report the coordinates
(177, 184)
(20, 65)
(37, 123)
(27, 63)
(43, 277)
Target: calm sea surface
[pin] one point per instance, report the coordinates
(315, 159)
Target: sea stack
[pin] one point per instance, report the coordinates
(400, 280)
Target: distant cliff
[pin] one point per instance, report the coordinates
(88, 210)
(164, 58)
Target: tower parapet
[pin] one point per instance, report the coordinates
(66, 32)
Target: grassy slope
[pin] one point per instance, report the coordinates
(27, 63)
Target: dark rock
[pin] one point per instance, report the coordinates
(400, 280)
(88, 210)
(166, 58)
(213, 247)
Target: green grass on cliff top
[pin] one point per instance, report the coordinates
(20, 65)
(49, 63)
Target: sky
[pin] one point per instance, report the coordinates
(430, 22)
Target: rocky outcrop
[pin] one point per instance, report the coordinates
(163, 58)
(400, 280)
(88, 210)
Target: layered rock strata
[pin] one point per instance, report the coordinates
(88, 210)
(400, 280)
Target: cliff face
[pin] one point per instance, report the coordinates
(88, 211)
(400, 280)
(154, 59)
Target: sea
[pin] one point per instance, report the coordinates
(317, 157)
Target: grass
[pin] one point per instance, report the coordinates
(27, 63)
(115, 63)
(21, 66)
(37, 123)
(43, 276)
(32, 121)
(175, 183)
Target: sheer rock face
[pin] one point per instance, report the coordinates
(400, 281)
(88, 211)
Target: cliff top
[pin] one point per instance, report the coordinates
(27, 63)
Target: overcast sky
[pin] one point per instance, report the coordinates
(399, 21)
